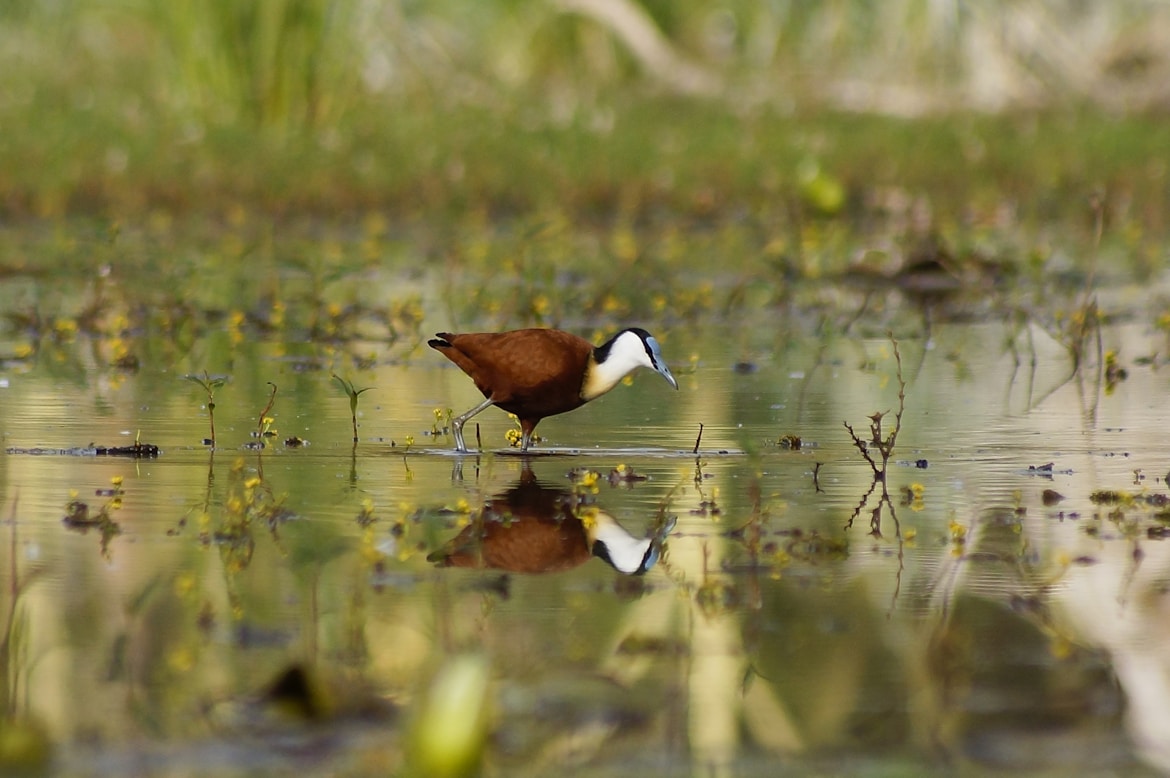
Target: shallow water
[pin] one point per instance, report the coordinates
(994, 612)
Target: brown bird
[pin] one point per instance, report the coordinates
(536, 373)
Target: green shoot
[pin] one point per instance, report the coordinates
(353, 393)
(209, 384)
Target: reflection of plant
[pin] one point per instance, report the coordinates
(353, 393)
(14, 637)
(248, 500)
(26, 746)
(209, 384)
(78, 516)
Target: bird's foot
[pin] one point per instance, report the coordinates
(457, 432)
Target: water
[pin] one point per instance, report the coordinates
(990, 613)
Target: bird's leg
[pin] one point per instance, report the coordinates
(527, 429)
(458, 421)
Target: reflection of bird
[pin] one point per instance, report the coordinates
(536, 373)
(534, 529)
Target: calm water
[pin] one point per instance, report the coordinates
(991, 613)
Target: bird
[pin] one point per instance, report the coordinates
(534, 373)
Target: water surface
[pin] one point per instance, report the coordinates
(999, 602)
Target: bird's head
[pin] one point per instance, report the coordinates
(632, 348)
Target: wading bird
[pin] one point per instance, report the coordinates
(536, 373)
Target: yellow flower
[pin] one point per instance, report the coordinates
(181, 659)
(184, 584)
(116, 480)
(65, 329)
(624, 244)
(276, 316)
(588, 516)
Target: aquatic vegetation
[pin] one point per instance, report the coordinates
(448, 735)
(209, 385)
(789, 442)
(622, 475)
(353, 393)
(79, 518)
(264, 422)
(442, 423)
(25, 744)
(367, 171)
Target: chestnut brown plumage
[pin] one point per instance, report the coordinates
(535, 373)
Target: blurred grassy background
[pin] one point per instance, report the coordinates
(124, 107)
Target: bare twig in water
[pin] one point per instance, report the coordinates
(883, 444)
(698, 439)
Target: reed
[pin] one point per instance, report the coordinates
(276, 63)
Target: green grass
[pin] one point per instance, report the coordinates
(245, 144)
(661, 159)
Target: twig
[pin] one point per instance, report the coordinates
(883, 444)
(698, 439)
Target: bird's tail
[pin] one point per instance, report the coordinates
(441, 340)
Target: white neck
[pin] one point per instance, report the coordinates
(626, 355)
